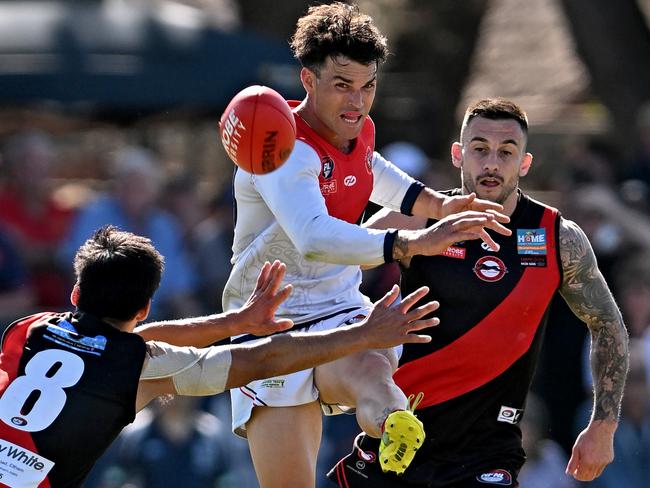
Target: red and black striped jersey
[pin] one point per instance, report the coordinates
(476, 371)
(68, 385)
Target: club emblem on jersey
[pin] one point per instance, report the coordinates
(490, 268)
(369, 160)
(327, 168)
(499, 477)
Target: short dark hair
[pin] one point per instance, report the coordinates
(117, 273)
(496, 109)
(337, 29)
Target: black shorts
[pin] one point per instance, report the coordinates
(361, 469)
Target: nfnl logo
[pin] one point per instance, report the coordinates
(499, 477)
(327, 167)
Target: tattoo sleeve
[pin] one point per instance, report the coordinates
(587, 294)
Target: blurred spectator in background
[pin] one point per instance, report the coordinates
(171, 443)
(545, 459)
(214, 250)
(16, 293)
(131, 204)
(408, 157)
(35, 221)
(591, 160)
(632, 281)
(639, 168)
(631, 466)
(207, 233)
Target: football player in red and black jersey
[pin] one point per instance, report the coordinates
(476, 372)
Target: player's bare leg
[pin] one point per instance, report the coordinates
(284, 444)
(364, 381)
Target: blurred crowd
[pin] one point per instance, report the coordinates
(55, 190)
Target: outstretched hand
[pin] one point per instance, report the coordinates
(259, 310)
(389, 325)
(460, 203)
(463, 226)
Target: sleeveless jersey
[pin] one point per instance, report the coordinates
(345, 179)
(68, 385)
(476, 372)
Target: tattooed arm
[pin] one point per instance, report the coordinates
(586, 292)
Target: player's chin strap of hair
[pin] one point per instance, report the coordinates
(194, 372)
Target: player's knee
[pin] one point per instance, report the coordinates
(377, 363)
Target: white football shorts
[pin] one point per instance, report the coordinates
(291, 389)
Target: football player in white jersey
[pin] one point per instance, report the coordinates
(306, 213)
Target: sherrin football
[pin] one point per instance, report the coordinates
(258, 130)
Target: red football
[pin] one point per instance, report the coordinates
(258, 130)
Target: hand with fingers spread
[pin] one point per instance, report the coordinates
(592, 451)
(463, 226)
(259, 310)
(459, 203)
(389, 326)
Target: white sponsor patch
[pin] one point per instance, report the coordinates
(20, 467)
(510, 415)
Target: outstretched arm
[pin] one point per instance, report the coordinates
(586, 292)
(190, 371)
(285, 353)
(255, 317)
(413, 238)
(435, 205)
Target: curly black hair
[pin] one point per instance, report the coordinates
(337, 29)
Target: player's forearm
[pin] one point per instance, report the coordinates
(194, 331)
(609, 364)
(428, 204)
(287, 353)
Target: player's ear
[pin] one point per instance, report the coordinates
(74, 295)
(525, 164)
(143, 313)
(308, 79)
(457, 154)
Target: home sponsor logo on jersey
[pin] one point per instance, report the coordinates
(455, 252)
(350, 180)
(531, 247)
(499, 477)
(20, 467)
(490, 268)
(510, 415)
